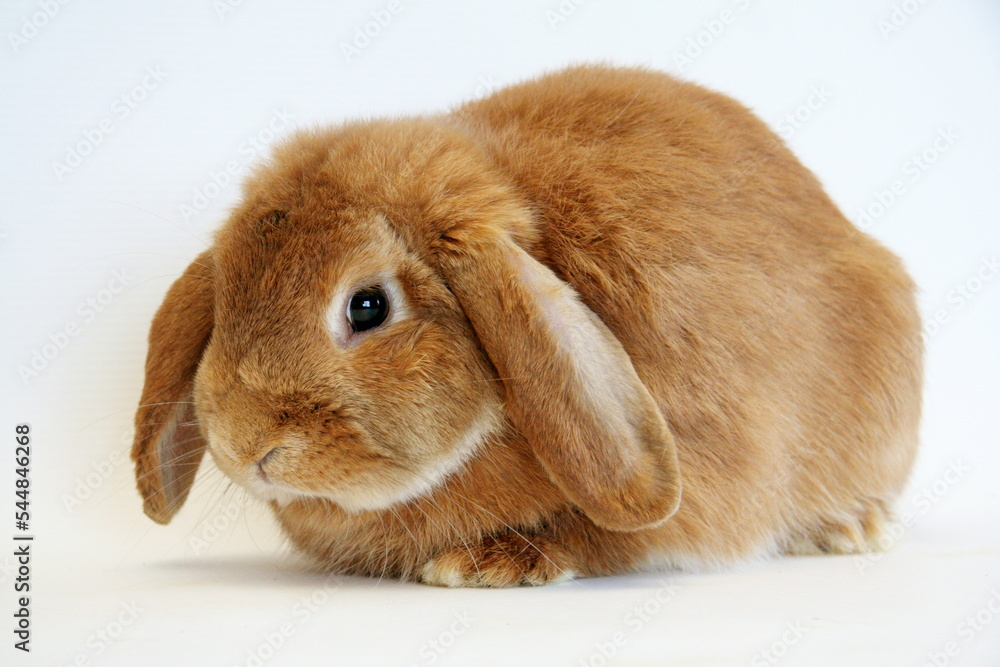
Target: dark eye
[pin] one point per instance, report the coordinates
(368, 308)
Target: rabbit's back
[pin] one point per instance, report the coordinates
(782, 344)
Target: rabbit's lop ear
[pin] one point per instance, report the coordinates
(168, 445)
(570, 386)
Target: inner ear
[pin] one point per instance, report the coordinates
(570, 386)
(166, 473)
(168, 444)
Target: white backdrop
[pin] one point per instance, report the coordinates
(126, 128)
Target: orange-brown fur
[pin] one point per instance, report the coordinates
(778, 347)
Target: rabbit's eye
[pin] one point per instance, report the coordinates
(368, 309)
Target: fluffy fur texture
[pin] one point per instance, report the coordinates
(627, 327)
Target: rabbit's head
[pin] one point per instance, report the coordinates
(371, 316)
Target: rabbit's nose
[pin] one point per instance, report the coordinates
(262, 461)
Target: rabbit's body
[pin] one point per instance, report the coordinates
(773, 367)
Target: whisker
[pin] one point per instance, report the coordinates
(145, 405)
(148, 212)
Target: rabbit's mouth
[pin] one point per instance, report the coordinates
(357, 483)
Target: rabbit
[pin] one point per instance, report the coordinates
(593, 323)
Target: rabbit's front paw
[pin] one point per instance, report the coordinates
(507, 559)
